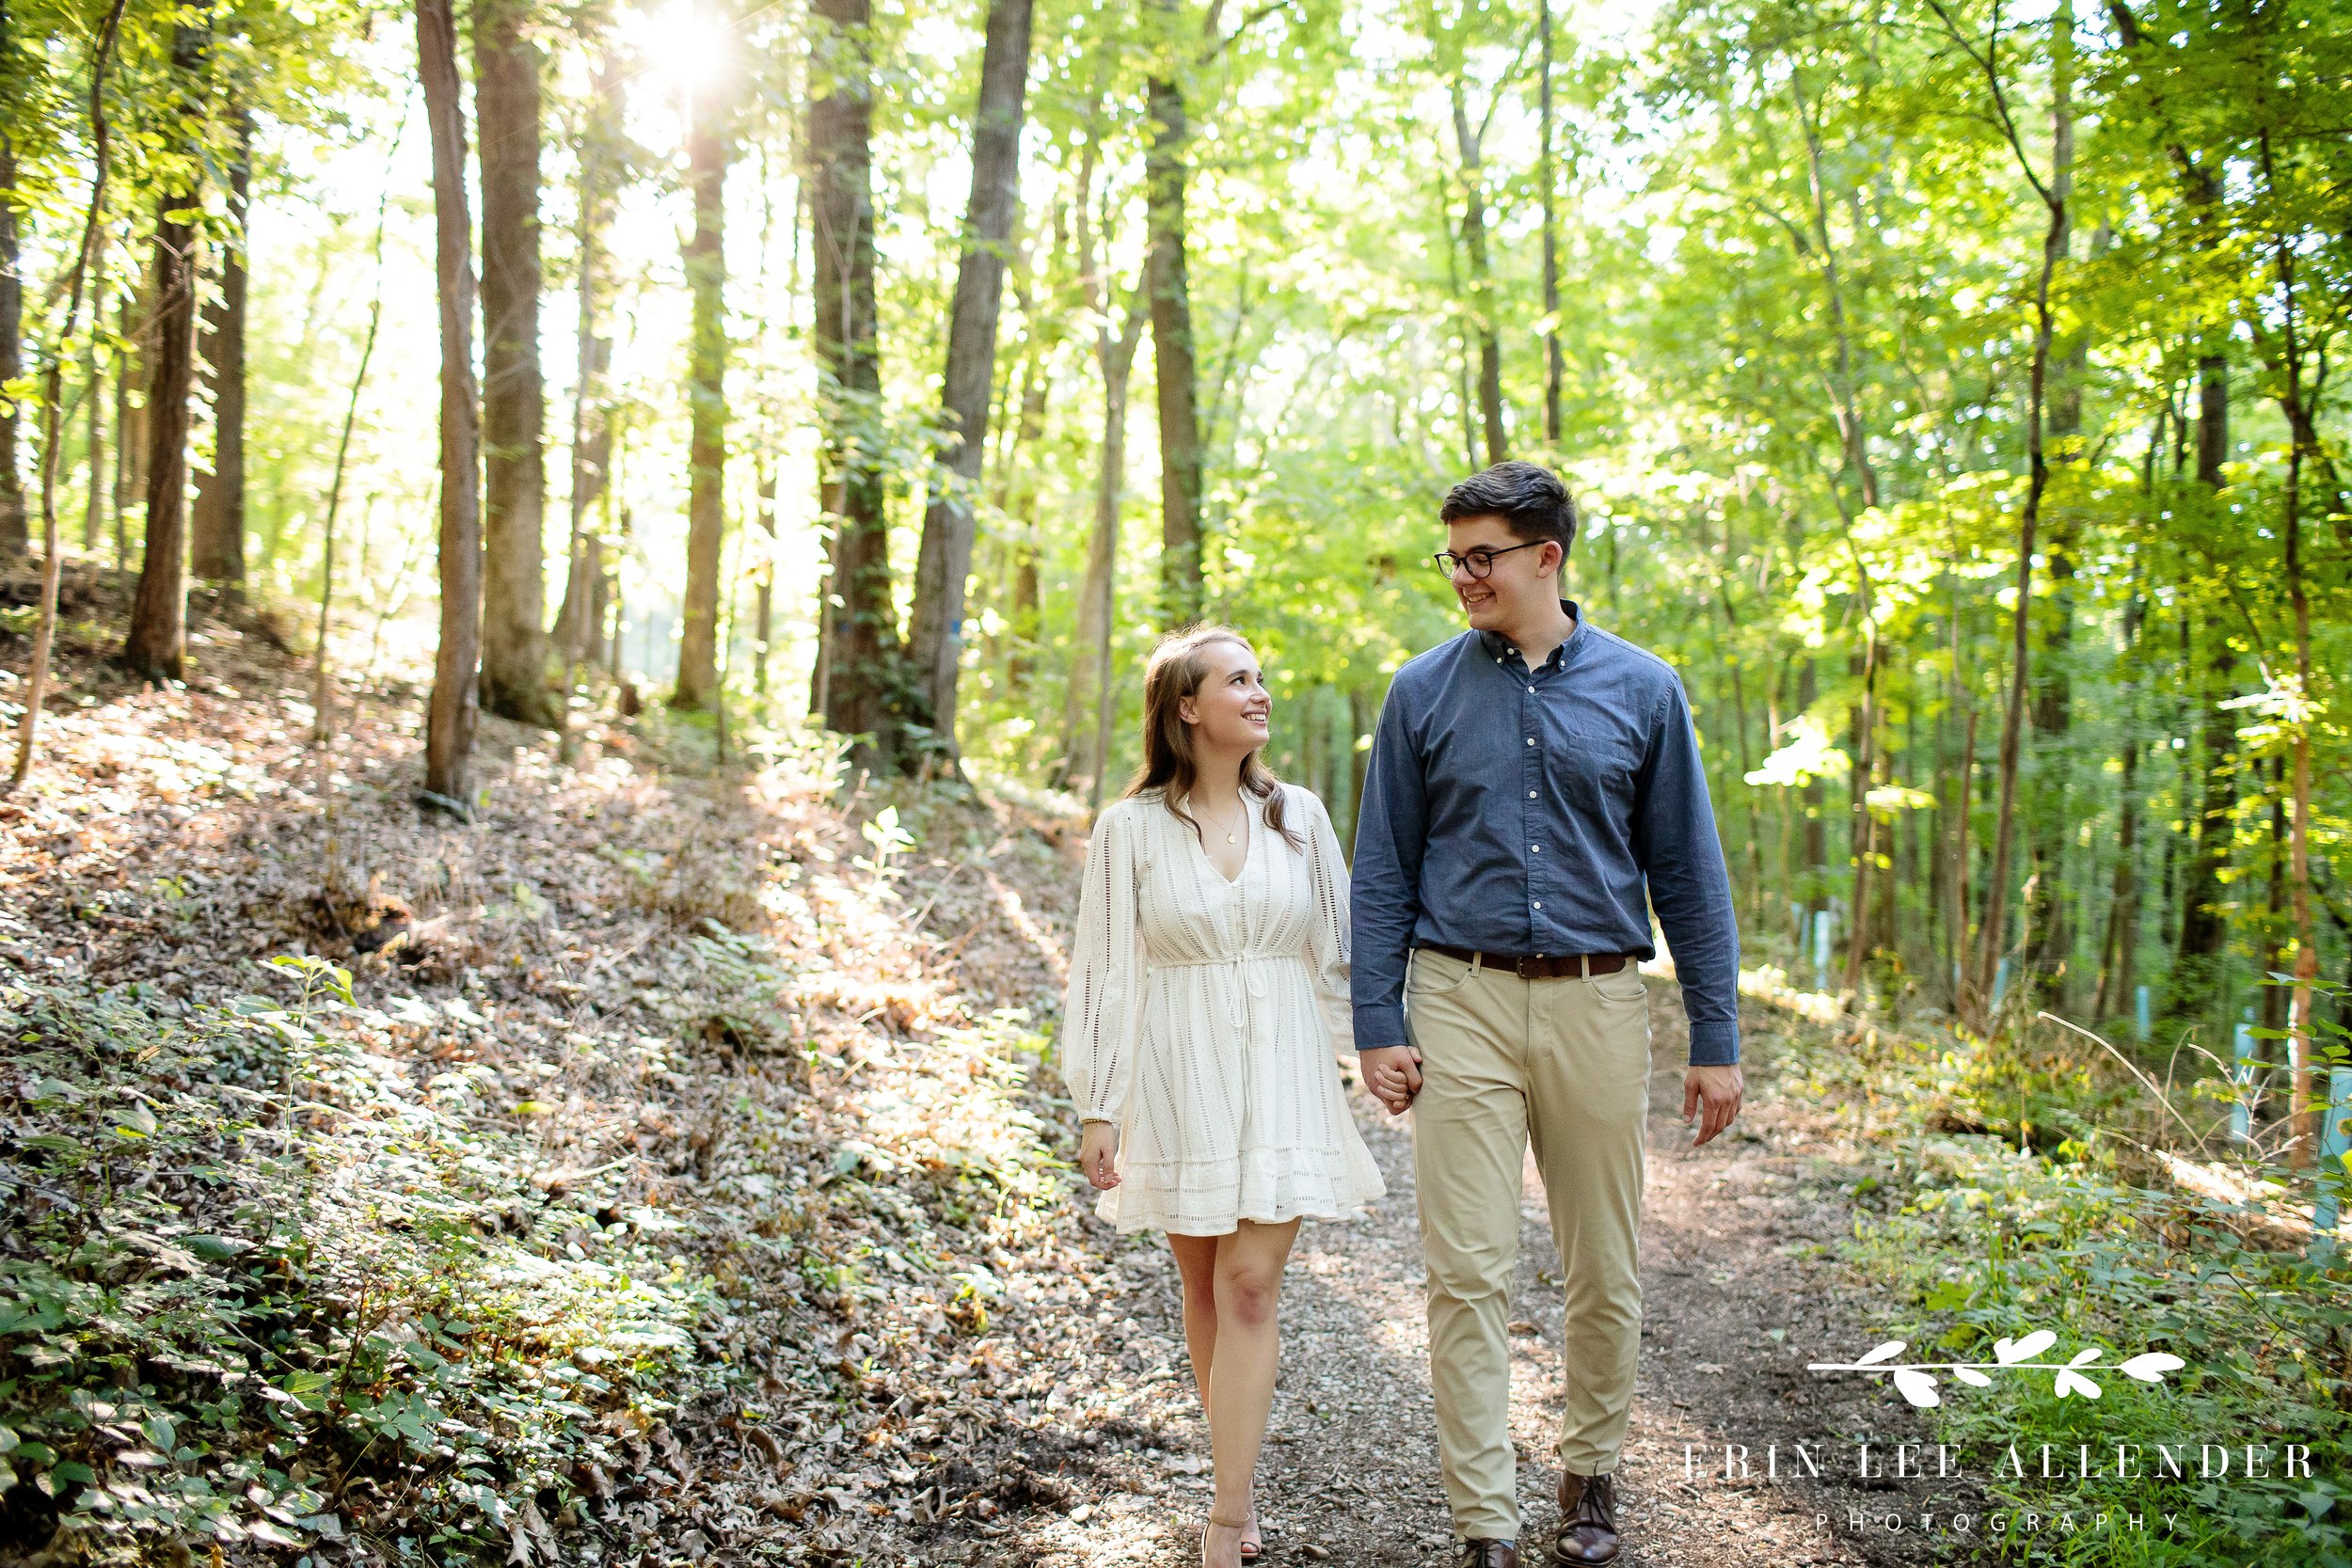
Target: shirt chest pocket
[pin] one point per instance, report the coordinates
(1593, 761)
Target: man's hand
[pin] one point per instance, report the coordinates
(1098, 1154)
(1392, 1074)
(1713, 1092)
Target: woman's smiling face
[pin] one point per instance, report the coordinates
(1232, 708)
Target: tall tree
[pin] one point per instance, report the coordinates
(514, 396)
(1468, 141)
(14, 534)
(1175, 367)
(1089, 705)
(860, 661)
(935, 638)
(2052, 195)
(216, 522)
(52, 393)
(450, 718)
(592, 425)
(1548, 180)
(157, 640)
(708, 141)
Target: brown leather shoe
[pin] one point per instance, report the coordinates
(1480, 1552)
(1588, 1521)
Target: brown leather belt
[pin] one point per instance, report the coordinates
(1538, 966)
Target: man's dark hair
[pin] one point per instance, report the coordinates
(1528, 496)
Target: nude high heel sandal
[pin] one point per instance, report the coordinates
(1217, 1521)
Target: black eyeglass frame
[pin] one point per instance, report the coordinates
(1443, 560)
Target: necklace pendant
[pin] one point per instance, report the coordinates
(1229, 839)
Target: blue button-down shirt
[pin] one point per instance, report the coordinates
(1522, 812)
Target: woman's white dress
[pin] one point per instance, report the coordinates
(1202, 1018)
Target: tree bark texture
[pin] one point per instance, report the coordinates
(157, 642)
(450, 718)
(1175, 366)
(934, 639)
(862, 660)
(706, 150)
(515, 648)
(216, 521)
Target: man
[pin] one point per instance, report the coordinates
(1534, 790)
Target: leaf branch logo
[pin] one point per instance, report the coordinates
(1915, 1380)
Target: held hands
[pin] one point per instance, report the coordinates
(1714, 1093)
(1098, 1154)
(1392, 1074)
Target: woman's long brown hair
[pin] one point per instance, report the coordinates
(1175, 672)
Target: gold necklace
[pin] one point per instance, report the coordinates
(1228, 831)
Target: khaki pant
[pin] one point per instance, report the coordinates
(1563, 1065)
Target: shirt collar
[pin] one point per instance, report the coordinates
(1500, 646)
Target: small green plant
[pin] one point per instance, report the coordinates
(255, 1282)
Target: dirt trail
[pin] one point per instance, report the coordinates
(1731, 1250)
(1063, 1434)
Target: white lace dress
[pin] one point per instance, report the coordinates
(1202, 1018)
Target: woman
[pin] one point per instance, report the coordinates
(1207, 989)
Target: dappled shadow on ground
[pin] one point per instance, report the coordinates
(1736, 1243)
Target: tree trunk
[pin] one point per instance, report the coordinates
(1089, 666)
(216, 522)
(1086, 704)
(2051, 919)
(863, 657)
(130, 419)
(707, 149)
(2118, 946)
(15, 534)
(2212, 417)
(2204, 924)
(935, 636)
(1026, 597)
(1480, 279)
(514, 396)
(1995, 936)
(94, 425)
(1853, 435)
(158, 637)
(1554, 370)
(765, 632)
(575, 625)
(450, 718)
(53, 400)
(1174, 369)
(2300, 404)
(1864, 834)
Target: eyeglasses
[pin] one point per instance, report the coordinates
(1478, 561)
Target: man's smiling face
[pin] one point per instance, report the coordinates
(1517, 586)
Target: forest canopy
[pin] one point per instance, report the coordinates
(1946, 386)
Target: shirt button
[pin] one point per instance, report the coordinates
(1531, 691)
(1538, 904)
(1530, 740)
(1531, 795)
(1538, 847)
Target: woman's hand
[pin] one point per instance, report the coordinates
(1392, 1074)
(1098, 1154)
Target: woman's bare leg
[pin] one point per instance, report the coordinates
(1249, 1285)
(1195, 1262)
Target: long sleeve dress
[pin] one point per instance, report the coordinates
(1202, 1015)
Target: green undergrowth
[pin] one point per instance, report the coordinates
(2050, 1217)
(255, 1279)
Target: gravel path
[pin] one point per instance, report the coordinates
(1740, 1294)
